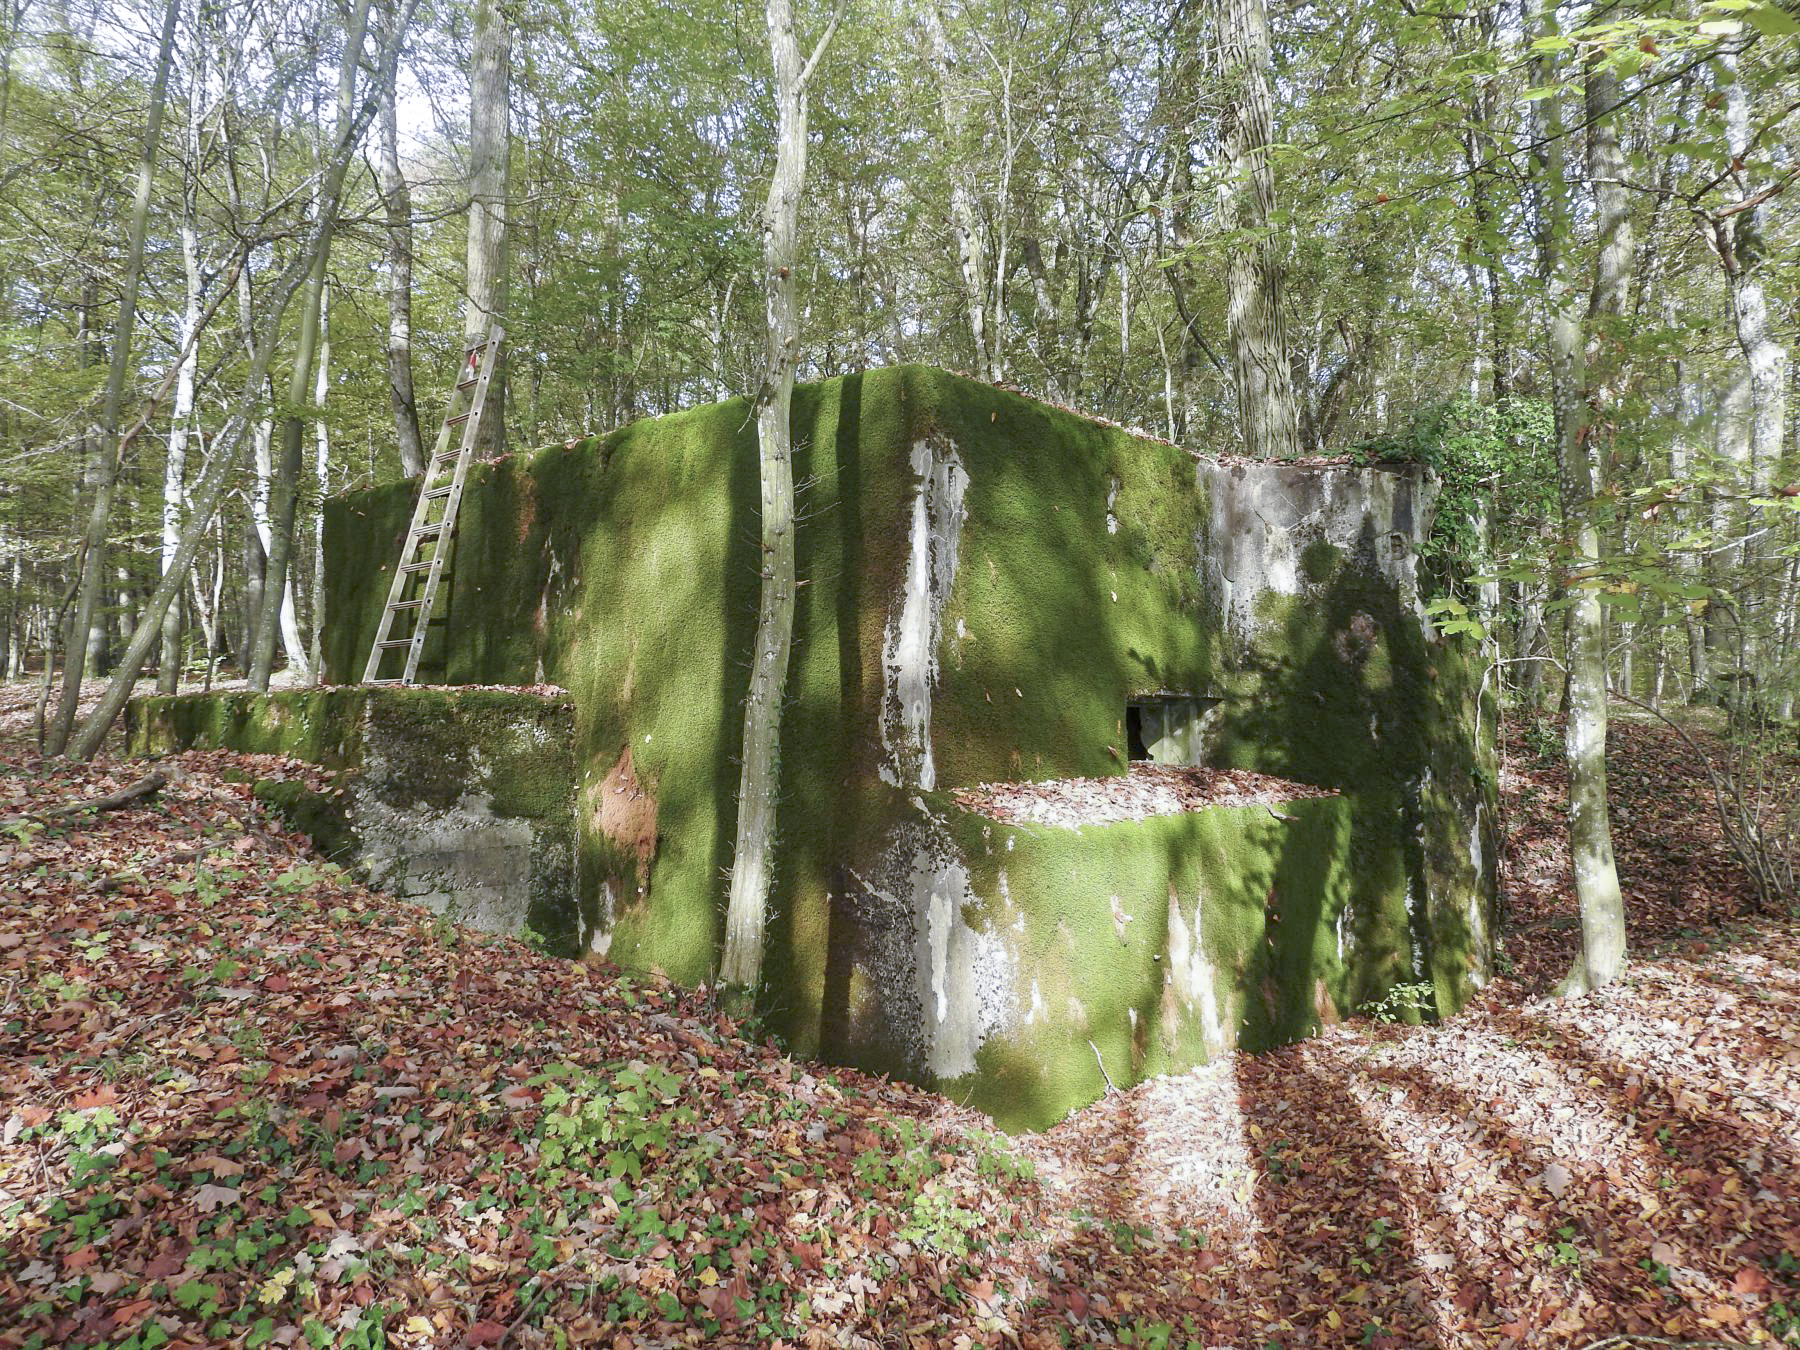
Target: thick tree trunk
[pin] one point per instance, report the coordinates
(490, 88)
(1267, 409)
(93, 565)
(759, 783)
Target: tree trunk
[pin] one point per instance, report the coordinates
(93, 563)
(490, 87)
(965, 220)
(284, 498)
(758, 786)
(1267, 409)
(1742, 248)
(396, 198)
(216, 473)
(181, 413)
(1757, 416)
(315, 656)
(1580, 392)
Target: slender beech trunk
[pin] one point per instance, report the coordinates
(1727, 558)
(93, 565)
(1267, 409)
(1581, 390)
(315, 657)
(284, 498)
(1687, 566)
(396, 198)
(215, 475)
(181, 413)
(490, 87)
(1758, 415)
(965, 220)
(1741, 246)
(758, 787)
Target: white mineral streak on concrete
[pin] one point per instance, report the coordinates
(962, 978)
(600, 940)
(1192, 975)
(909, 653)
(971, 973)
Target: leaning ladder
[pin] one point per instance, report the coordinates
(428, 537)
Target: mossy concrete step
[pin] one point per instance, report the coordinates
(462, 800)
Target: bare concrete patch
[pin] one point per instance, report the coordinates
(625, 812)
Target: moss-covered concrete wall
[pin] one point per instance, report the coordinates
(986, 582)
(461, 800)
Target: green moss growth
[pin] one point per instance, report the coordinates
(1319, 560)
(625, 569)
(1256, 900)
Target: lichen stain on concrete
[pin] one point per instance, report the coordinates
(909, 650)
(623, 811)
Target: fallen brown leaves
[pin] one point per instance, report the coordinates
(1144, 790)
(248, 1102)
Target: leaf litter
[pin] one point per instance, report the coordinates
(249, 1102)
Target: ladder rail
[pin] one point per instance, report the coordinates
(422, 529)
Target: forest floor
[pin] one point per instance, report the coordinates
(246, 1101)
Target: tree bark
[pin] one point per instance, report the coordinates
(1578, 392)
(965, 220)
(1738, 239)
(759, 783)
(490, 88)
(1267, 409)
(396, 198)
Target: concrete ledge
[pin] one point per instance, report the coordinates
(461, 800)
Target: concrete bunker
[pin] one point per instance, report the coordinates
(998, 594)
